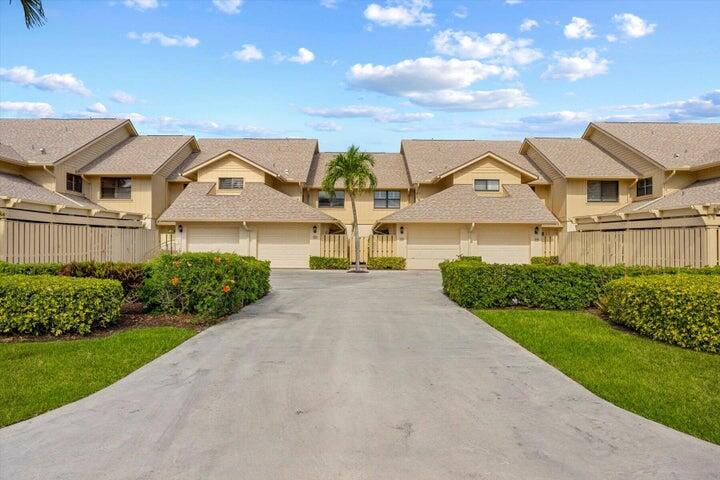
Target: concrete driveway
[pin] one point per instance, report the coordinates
(374, 376)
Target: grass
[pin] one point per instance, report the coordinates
(38, 376)
(677, 387)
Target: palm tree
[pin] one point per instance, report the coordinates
(34, 13)
(354, 169)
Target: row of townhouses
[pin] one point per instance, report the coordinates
(438, 198)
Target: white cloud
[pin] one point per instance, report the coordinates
(528, 24)
(164, 40)
(141, 5)
(176, 125)
(303, 56)
(633, 26)
(230, 7)
(513, 2)
(35, 109)
(612, 38)
(325, 126)
(401, 13)
(494, 47)
(381, 114)
(579, 28)
(582, 64)
(122, 97)
(461, 12)
(248, 53)
(329, 3)
(703, 106)
(472, 100)
(23, 75)
(97, 107)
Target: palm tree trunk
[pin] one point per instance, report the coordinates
(357, 234)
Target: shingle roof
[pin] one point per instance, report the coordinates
(699, 193)
(461, 204)
(256, 202)
(141, 155)
(579, 158)
(672, 145)
(56, 137)
(8, 153)
(15, 186)
(429, 158)
(288, 157)
(389, 169)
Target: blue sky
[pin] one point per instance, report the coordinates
(366, 72)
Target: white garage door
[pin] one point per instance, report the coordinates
(504, 243)
(213, 238)
(428, 245)
(285, 245)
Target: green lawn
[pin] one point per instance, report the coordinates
(677, 387)
(39, 376)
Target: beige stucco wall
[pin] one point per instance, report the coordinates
(230, 166)
(577, 204)
(487, 169)
(367, 213)
(141, 196)
(174, 189)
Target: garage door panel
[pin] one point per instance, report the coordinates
(213, 238)
(504, 243)
(285, 245)
(428, 245)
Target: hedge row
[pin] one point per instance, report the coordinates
(552, 260)
(680, 309)
(329, 263)
(42, 304)
(386, 263)
(210, 285)
(557, 287)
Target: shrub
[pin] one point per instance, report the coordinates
(554, 287)
(130, 275)
(680, 309)
(40, 304)
(554, 260)
(210, 285)
(470, 258)
(329, 263)
(29, 268)
(386, 263)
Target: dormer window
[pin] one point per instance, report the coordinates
(485, 185)
(231, 183)
(73, 183)
(644, 187)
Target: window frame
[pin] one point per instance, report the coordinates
(487, 184)
(385, 199)
(602, 198)
(233, 181)
(646, 184)
(332, 199)
(116, 187)
(72, 181)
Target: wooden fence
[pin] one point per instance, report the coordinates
(666, 247)
(370, 246)
(28, 242)
(550, 243)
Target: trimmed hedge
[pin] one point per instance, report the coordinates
(130, 275)
(386, 263)
(680, 309)
(30, 268)
(210, 285)
(329, 263)
(41, 304)
(553, 260)
(554, 287)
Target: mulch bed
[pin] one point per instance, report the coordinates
(131, 316)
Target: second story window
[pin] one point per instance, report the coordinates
(335, 201)
(115, 187)
(387, 199)
(644, 187)
(602, 191)
(484, 185)
(73, 183)
(231, 183)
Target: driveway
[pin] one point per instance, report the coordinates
(374, 376)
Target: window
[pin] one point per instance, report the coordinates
(602, 191)
(487, 185)
(644, 187)
(73, 183)
(118, 188)
(387, 199)
(231, 183)
(335, 201)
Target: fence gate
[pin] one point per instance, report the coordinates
(370, 246)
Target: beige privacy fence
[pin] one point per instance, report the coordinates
(27, 242)
(333, 245)
(666, 247)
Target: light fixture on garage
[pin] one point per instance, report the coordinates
(402, 229)
(537, 230)
(180, 228)
(314, 228)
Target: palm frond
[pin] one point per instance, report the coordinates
(34, 13)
